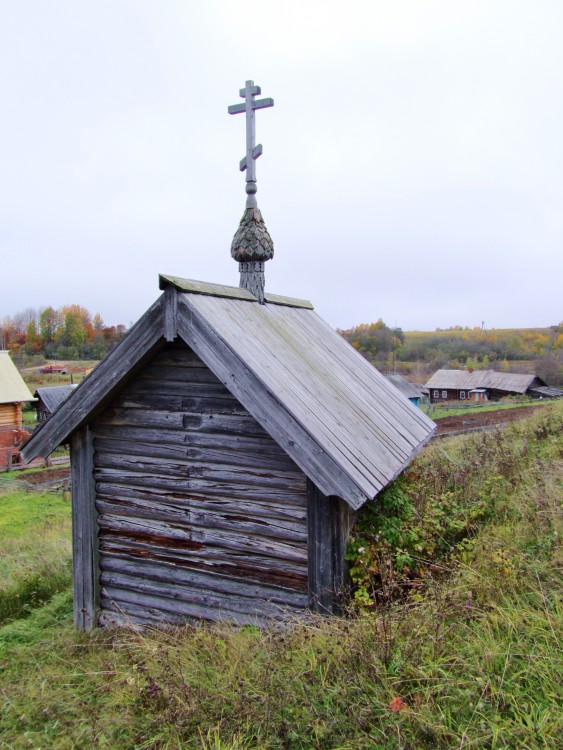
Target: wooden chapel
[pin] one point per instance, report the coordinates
(220, 451)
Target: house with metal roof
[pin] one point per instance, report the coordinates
(480, 385)
(220, 452)
(13, 393)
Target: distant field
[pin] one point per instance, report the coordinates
(77, 371)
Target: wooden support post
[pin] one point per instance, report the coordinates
(84, 530)
(329, 520)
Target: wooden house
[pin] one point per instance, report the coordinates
(13, 393)
(49, 398)
(480, 385)
(220, 452)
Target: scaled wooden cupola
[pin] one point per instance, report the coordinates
(220, 451)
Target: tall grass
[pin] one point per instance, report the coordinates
(467, 658)
(35, 551)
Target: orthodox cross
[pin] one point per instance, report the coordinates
(248, 163)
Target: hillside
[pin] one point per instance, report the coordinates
(453, 639)
(419, 353)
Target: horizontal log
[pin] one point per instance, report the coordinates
(292, 512)
(193, 374)
(177, 402)
(219, 423)
(179, 387)
(263, 443)
(188, 486)
(293, 482)
(176, 535)
(186, 515)
(200, 579)
(182, 600)
(134, 614)
(162, 448)
(267, 570)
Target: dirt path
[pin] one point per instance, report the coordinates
(482, 419)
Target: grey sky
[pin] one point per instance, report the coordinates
(412, 166)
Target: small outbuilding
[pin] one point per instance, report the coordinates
(13, 393)
(49, 398)
(409, 390)
(220, 452)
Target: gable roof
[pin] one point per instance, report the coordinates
(12, 387)
(502, 381)
(407, 389)
(348, 429)
(53, 395)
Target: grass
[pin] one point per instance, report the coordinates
(35, 554)
(470, 658)
(437, 411)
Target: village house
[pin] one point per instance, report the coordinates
(220, 452)
(13, 393)
(482, 385)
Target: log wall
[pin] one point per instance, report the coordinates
(200, 512)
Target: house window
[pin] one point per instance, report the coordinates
(462, 394)
(444, 394)
(436, 394)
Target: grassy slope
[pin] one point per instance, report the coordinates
(470, 658)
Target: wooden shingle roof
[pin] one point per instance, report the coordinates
(340, 420)
(12, 387)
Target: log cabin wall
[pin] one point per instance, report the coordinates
(10, 415)
(200, 512)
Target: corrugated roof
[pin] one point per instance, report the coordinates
(12, 387)
(54, 395)
(502, 381)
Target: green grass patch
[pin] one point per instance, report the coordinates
(35, 551)
(437, 412)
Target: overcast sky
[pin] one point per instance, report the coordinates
(412, 166)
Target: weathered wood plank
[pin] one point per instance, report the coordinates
(170, 313)
(292, 481)
(130, 614)
(198, 487)
(177, 402)
(294, 512)
(272, 459)
(185, 600)
(215, 582)
(329, 523)
(84, 531)
(212, 423)
(193, 537)
(250, 566)
(234, 523)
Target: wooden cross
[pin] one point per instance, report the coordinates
(248, 163)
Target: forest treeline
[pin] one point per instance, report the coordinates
(463, 348)
(69, 332)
